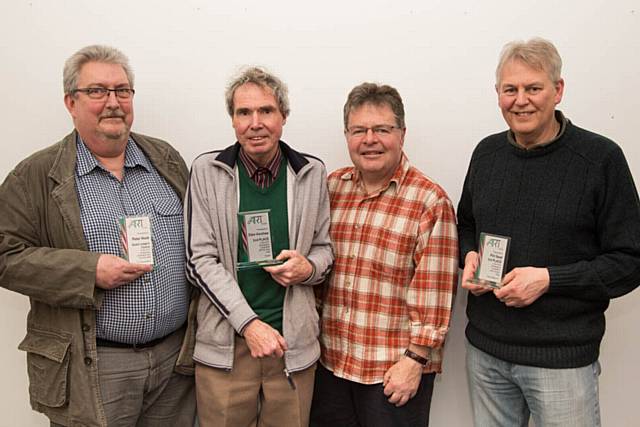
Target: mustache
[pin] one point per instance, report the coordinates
(113, 115)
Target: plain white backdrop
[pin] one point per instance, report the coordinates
(440, 55)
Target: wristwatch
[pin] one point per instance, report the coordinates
(415, 356)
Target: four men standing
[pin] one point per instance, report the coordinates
(563, 195)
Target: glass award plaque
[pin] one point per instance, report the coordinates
(135, 239)
(256, 239)
(492, 253)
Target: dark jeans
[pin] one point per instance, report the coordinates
(344, 403)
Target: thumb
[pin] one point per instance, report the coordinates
(285, 254)
(282, 343)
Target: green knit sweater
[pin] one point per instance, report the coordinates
(265, 295)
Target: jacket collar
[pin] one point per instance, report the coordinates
(64, 165)
(296, 160)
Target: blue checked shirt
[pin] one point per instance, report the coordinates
(155, 304)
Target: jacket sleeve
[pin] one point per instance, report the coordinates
(321, 254)
(616, 270)
(29, 264)
(204, 221)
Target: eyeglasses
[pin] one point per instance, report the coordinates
(103, 92)
(380, 130)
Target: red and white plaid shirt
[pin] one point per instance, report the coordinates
(394, 276)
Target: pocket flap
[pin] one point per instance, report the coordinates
(168, 206)
(52, 345)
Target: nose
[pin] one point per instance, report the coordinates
(112, 100)
(371, 137)
(255, 120)
(522, 98)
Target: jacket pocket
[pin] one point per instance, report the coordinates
(213, 329)
(47, 365)
(302, 323)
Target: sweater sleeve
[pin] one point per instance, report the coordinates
(466, 221)
(616, 270)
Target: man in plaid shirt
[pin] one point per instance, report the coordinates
(387, 306)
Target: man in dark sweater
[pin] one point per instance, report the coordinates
(566, 198)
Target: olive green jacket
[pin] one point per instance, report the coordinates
(43, 255)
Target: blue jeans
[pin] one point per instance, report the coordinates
(506, 394)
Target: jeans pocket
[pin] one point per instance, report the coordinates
(47, 366)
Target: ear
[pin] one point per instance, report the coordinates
(404, 132)
(70, 103)
(559, 91)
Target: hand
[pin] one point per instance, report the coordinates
(402, 380)
(522, 286)
(295, 270)
(263, 340)
(471, 261)
(113, 271)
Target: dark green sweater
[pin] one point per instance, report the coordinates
(265, 295)
(571, 206)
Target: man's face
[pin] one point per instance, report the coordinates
(258, 121)
(375, 155)
(528, 98)
(101, 120)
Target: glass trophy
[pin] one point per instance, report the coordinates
(256, 239)
(492, 253)
(135, 239)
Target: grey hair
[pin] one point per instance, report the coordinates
(537, 53)
(93, 53)
(375, 94)
(263, 78)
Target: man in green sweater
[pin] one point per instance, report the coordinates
(566, 198)
(257, 340)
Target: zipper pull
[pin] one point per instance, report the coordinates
(289, 379)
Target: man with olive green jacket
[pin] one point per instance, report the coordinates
(107, 340)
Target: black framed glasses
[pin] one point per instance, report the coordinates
(102, 92)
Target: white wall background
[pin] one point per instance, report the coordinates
(440, 55)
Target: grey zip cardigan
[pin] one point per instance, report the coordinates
(211, 239)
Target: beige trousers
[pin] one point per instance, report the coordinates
(255, 393)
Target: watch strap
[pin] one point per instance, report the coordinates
(415, 356)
